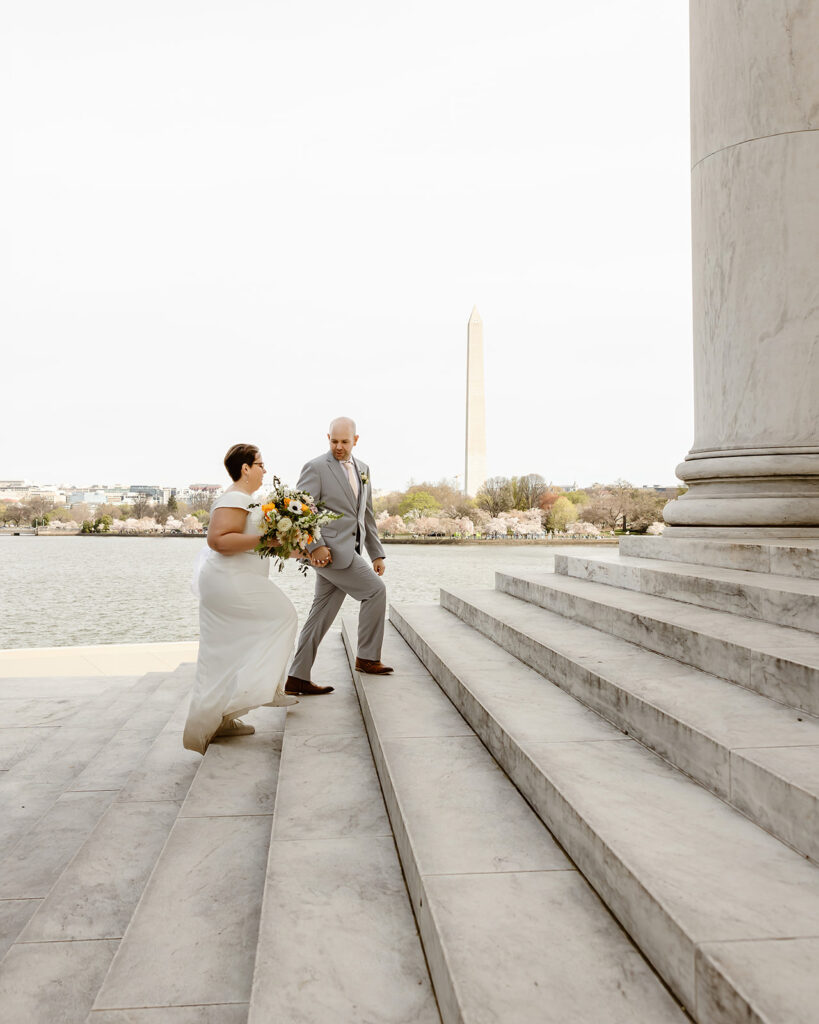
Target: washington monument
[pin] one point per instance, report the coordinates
(475, 471)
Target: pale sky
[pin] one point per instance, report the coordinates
(233, 221)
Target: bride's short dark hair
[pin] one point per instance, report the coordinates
(240, 455)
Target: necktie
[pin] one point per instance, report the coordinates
(351, 477)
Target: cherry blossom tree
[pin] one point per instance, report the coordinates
(389, 525)
(581, 529)
(495, 527)
(463, 526)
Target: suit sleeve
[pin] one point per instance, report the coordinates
(310, 481)
(371, 540)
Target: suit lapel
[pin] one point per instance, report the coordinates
(361, 485)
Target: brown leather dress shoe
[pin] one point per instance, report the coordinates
(373, 668)
(304, 687)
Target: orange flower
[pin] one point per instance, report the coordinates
(309, 539)
(303, 507)
(268, 508)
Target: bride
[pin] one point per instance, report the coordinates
(247, 626)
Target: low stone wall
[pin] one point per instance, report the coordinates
(482, 541)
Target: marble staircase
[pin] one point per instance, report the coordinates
(155, 885)
(668, 747)
(585, 795)
(78, 864)
(512, 931)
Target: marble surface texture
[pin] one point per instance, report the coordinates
(784, 558)
(487, 880)
(756, 321)
(98, 891)
(700, 723)
(67, 975)
(754, 463)
(776, 661)
(193, 937)
(780, 599)
(753, 71)
(337, 939)
(675, 864)
(774, 980)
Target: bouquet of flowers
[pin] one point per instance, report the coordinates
(293, 519)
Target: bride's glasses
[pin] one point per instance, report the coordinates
(259, 464)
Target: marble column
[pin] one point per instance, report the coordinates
(475, 469)
(754, 467)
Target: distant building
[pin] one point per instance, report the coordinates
(151, 491)
(22, 491)
(118, 495)
(86, 498)
(190, 492)
(14, 490)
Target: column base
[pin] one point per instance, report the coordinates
(747, 496)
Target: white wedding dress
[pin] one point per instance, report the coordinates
(247, 631)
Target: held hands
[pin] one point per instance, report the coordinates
(321, 557)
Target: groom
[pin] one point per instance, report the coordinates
(342, 484)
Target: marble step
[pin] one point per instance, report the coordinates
(189, 946)
(783, 558)
(32, 720)
(757, 754)
(777, 661)
(29, 872)
(337, 939)
(89, 742)
(76, 878)
(780, 599)
(512, 931)
(710, 898)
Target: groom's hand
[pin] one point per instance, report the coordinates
(378, 566)
(321, 557)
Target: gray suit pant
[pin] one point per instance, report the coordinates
(332, 586)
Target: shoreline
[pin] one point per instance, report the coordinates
(501, 541)
(464, 541)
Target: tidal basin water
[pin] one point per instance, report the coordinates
(66, 591)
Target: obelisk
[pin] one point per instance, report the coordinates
(475, 470)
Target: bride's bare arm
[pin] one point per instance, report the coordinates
(225, 532)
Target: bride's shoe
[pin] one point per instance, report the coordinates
(233, 727)
(281, 700)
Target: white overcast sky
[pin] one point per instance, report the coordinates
(230, 221)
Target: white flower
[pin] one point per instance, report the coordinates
(294, 505)
(284, 525)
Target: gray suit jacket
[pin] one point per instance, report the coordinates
(325, 478)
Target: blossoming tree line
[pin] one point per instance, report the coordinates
(521, 507)
(141, 517)
(518, 507)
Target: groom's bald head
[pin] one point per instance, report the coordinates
(342, 437)
(343, 423)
